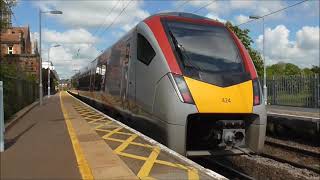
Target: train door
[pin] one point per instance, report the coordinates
(124, 76)
(145, 85)
(131, 88)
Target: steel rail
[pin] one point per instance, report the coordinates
(293, 149)
(228, 171)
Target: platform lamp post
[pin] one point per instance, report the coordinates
(40, 61)
(49, 64)
(264, 60)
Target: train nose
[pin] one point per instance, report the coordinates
(210, 98)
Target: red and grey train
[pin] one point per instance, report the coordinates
(185, 80)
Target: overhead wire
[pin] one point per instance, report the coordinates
(110, 25)
(106, 18)
(204, 6)
(114, 20)
(181, 5)
(274, 12)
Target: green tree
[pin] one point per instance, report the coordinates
(282, 68)
(291, 69)
(243, 35)
(6, 7)
(315, 69)
(306, 71)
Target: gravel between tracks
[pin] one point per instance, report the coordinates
(264, 168)
(292, 156)
(294, 144)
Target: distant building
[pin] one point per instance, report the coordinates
(16, 48)
(16, 40)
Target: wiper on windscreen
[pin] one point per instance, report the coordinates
(183, 55)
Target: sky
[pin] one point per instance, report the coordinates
(87, 27)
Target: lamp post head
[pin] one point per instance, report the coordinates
(254, 17)
(55, 12)
(57, 45)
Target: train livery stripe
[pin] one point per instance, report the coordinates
(156, 27)
(213, 99)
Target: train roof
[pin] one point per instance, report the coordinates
(183, 15)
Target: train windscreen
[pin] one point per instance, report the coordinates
(206, 52)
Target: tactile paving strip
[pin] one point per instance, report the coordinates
(146, 160)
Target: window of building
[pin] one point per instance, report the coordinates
(145, 50)
(10, 50)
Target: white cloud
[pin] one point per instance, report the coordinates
(241, 19)
(96, 13)
(259, 8)
(308, 37)
(304, 51)
(66, 58)
(215, 17)
(71, 36)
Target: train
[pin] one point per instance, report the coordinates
(184, 80)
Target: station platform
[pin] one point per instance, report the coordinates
(294, 112)
(294, 121)
(67, 139)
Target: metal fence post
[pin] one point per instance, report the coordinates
(316, 91)
(1, 118)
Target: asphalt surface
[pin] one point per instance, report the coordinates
(38, 146)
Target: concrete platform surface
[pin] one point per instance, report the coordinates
(294, 112)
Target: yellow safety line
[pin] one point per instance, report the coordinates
(105, 130)
(176, 165)
(95, 115)
(110, 125)
(193, 173)
(132, 156)
(133, 143)
(125, 144)
(112, 132)
(100, 119)
(147, 166)
(83, 165)
(103, 124)
(86, 114)
(99, 126)
(83, 110)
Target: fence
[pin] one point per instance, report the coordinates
(18, 93)
(301, 91)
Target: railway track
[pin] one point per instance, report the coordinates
(222, 167)
(297, 157)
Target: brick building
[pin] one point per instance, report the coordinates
(16, 48)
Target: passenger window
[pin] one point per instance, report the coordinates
(145, 50)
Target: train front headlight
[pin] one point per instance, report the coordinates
(181, 88)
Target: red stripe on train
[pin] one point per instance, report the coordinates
(156, 27)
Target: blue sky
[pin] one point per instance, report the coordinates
(291, 35)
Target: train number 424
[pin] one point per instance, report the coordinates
(226, 100)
